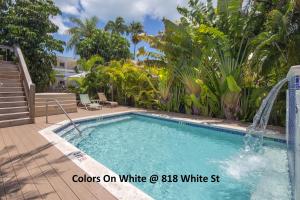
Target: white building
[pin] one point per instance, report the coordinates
(64, 68)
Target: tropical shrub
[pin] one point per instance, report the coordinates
(227, 58)
(215, 61)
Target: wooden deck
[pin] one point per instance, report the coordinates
(31, 168)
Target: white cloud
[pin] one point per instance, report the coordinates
(68, 6)
(70, 10)
(110, 9)
(131, 9)
(60, 22)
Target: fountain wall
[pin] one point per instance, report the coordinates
(293, 130)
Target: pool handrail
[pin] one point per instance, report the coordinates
(62, 109)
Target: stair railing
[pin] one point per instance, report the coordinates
(6, 49)
(29, 86)
(62, 109)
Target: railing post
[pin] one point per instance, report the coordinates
(32, 102)
(47, 111)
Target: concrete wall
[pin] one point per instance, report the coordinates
(297, 150)
(67, 100)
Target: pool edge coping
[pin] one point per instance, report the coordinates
(92, 167)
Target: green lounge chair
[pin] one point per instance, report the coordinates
(87, 103)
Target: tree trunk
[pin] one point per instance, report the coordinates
(134, 49)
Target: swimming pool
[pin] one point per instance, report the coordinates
(140, 144)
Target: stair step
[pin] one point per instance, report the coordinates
(10, 89)
(2, 80)
(13, 98)
(11, 94)
(4, 76)
(54, 111)
(17, 115)
(15, 122)
(8, 64)
(13, 109)
(13, 104)
(55, 106)
(9, 69)
(10, 73)
(4, 84)
(43, 102)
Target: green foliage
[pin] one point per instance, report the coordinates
(117, 27)
(122, 81)
(134, 29)
(128, 84)
(82, 29)
(90, 82)
(216, 61)
(28, 24)
(227, 59)
(107, 45)
(91, 63)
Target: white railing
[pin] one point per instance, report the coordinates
(6, 48)
(29, 86)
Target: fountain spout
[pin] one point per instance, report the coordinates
(254, 137)
(294, 71)
(261, 118)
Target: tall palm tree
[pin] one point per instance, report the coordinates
(118, 26)
(81, 30)
(134, 29)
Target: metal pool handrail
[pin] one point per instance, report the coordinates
(62, 109)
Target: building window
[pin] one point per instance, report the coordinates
(61, 83)
(61, 64)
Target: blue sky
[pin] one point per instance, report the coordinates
(149, 12)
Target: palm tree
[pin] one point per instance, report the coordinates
(81, 30)
(134, 29)
(118, 26)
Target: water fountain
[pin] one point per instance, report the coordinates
(254, 137)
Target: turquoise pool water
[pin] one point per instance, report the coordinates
(135, 144)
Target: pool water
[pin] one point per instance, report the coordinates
(140, 145)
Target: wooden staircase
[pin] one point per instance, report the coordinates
(13, 103)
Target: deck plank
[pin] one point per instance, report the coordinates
(11, 185)
(24, 178)
(52, 157)
(2, 154)
(32, 192)
(39, 179)
(83, 191)
(2, 192)
(59, 186)
(31, 168)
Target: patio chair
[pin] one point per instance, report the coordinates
(103, 99)
(87, 103)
